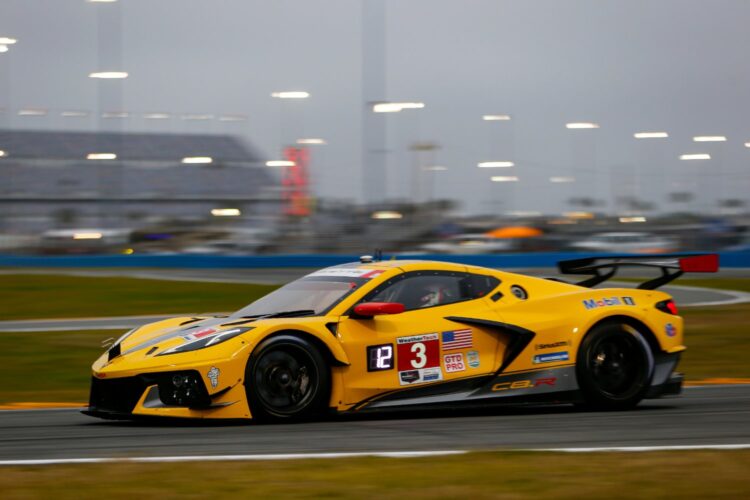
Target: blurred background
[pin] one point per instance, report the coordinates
(337, 126)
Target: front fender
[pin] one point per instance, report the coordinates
(318, 330)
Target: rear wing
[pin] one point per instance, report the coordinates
(672, 267)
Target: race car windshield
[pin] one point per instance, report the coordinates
(316, 294)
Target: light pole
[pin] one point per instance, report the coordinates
(692, 158)
(500, 144)
(295, 178)
(383, 108)
(717, 175)
(424, 154)
(584, 155)
(5, 105)
(373, 82)
(651, 154)
(313, 177)
(108, 76)
(286, 98)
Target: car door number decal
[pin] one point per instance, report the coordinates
(418, 349)
(418, 359)
(379, 357)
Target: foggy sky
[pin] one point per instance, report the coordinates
(680, 66)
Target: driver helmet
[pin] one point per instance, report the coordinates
(432, 295)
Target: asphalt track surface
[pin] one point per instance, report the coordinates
(709, 415)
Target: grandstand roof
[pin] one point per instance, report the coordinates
(63, 145)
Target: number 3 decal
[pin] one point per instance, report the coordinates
(419, 350)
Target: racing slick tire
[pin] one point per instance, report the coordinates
(287, 378)
(614, 368)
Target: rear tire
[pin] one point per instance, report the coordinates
(614, 368)
(287, 378)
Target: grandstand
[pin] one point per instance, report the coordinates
(48, 180)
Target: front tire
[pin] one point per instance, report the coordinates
(287, 378)
(614, 368)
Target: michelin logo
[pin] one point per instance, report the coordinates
(213, 376)
(604, 302)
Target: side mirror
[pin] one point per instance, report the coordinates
(370, 309)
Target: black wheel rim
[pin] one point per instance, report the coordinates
(616, 365)
(285, 379)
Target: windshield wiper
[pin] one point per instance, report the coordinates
(283, 314)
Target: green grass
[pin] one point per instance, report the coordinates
(49, 366)
(511, 475)
(718, 341)
(45, 296)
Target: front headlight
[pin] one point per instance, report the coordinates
(116, 348)
(207, 340)
(124, 336)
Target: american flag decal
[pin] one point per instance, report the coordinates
(457, 339)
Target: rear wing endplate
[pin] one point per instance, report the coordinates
(672, 267)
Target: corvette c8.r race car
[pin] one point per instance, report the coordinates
(403, 334)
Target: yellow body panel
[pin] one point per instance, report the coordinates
(559, 314)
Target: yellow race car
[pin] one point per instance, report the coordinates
(403, 334)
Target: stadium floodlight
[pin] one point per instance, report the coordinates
(581, 125)
(200, 160)
(197, 117)
(747, 144)
(156, 116)
(233, 118)
(74, 114)
(280, 163)
(709, 138)
(496, 118)
(386, 107)
(225, 212)
(629, 220)
(562, 180)
(696, 156)
(650, 135)
(495, 164)
(101, 156)
(386, 215)
(87, 235)
(109, 75)
(435, 168)
(4, 40)
(32, 112)
(504, 178)
(395, 107)
(579, 215)
(291, 94)
(312, 141)
(411, 105)
(2, 153)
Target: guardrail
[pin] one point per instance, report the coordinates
(507, 261)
